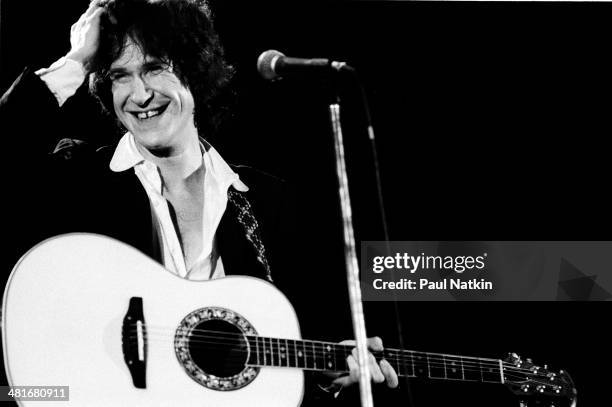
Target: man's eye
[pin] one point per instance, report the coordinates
(156, 70)
(118, 77)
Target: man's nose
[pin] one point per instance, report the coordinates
(141, 94)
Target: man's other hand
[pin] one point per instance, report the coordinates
(84, 35)
(379, 372)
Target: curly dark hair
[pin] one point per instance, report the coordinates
(178, 32)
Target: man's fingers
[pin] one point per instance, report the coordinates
(378, 372)
(96, 15)
(93, 6)
(375, 343)
(375, 373)
(351, 361)
(389, 373)
(352, 377)
(377, 376)
(343, 381)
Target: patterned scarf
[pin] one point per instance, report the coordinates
(251, 228)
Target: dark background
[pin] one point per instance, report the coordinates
(491, 121)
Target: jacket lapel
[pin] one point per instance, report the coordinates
(130, 214)
(239, 236)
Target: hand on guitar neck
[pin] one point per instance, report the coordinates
(379, 371)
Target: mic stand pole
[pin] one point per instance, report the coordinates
(352, 267)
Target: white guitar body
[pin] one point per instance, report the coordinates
(63, 317)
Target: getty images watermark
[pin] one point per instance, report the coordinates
(485, 270)
(411, 264)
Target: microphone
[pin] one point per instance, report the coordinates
(274, 65)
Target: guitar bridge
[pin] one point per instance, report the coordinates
(134, 342)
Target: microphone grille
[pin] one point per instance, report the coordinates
(266, 63)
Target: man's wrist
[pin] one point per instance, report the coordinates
(63, 78)
(76, 57)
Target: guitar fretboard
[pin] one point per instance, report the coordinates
(328, 356)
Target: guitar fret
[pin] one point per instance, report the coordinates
(393, 357)
(325, 356)
(299, 355)
(454, 368)
(265, 351)
(435, 366)
(305, 354)
(270, 353)
(419, 369)
(444, 366)
(314, 356)
(403, 362)
(322, 362)
(257, 350)
(399, 362)
(290, 353)
(253, 358)
(342, 353)
(283, 354)
(473, 372)
(295, 354)
(275, 350)
(333, 358)
(490, 372)
(412, 372)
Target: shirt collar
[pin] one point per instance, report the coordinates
(127, 156)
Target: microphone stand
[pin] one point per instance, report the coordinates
(350, 255)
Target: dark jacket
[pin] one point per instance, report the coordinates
(62, 184)
(65, 185)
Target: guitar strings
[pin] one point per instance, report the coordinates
(238, 358)
(239, 361)
(434, 361)
(308, 348)
(482, 362)
(406, 354)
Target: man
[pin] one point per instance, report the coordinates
(158, 67)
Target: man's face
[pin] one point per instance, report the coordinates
(151, 102)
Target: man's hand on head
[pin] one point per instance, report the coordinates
(85, 34)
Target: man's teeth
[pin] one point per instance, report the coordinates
(149, 114)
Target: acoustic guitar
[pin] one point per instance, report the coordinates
(98, 316)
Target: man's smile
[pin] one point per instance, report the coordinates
(143, 115)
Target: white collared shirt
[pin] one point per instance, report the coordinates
(63, 78)
(218, 177)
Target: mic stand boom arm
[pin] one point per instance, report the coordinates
(350, 255)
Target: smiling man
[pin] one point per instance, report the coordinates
(158, 67)
(152, 103)
(158, 112)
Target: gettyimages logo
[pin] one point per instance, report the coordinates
(424, 271)
(412, 264)
(486, 270)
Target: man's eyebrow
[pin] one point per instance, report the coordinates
(155, 63)
(116, 70)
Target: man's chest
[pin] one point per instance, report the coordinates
(186, 208)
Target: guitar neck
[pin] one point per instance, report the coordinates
(328, 356)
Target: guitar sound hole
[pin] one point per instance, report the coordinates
(218, 348)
